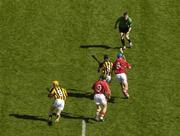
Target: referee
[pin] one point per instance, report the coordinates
(124, 23)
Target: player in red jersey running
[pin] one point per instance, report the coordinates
(101, 94)
(120, 66)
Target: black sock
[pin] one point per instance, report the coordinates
(123, 42)
(129, 40)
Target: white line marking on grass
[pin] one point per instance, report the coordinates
(83, 128)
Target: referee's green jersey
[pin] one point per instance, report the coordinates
(123, 24)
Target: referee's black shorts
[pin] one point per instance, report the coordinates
(123, 30)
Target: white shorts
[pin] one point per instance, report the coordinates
(108, 79)
(100, 99)
(122, 78)
(59, 104)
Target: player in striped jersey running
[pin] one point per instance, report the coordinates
(105, 68)
(59, 94)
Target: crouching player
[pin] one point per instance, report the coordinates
(59, 94)
(119, 68)
(105, 68)
(101, 94)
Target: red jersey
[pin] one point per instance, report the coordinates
(101, 87)
(120, 66)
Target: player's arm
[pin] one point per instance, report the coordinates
(108, 95)
(51, 93)
(100, 66)
(116, 23)
(65, 92)
(129, 30)
(107, 91)
(93, 86)
(128, 65)
(130, 25)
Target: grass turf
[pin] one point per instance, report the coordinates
(42, 41)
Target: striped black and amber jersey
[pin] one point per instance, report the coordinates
(106, 68)
(58, 93)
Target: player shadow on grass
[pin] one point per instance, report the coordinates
(29, 117)
(98, 46)
(80, 94)
(65, 115)
(79, 117)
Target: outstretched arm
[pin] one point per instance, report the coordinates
(129, 29)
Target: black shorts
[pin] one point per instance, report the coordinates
(123, 30)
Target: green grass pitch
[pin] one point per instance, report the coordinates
(42, 40)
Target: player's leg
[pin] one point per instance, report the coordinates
(125, 90)
(103, 112)
(103, 107)
(98, 110)
(125, 85)
(60, 107)
(120, 80)
(58, 114)
(122, 87)
(98, 107)
(52, 108)
(128, 39)
(122, 35)
(121, 50)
